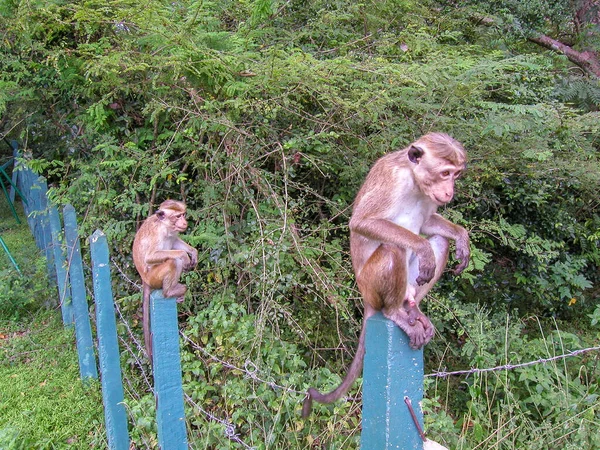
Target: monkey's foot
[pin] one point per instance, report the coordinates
(419, 332)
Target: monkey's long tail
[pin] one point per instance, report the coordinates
(353, 373)
(146, 291)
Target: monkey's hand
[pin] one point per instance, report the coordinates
(193, 259)
(414, 323)
(426, 262)
(463, 252)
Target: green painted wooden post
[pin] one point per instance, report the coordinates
(35, 209)
(168, 387)
(15, 147)
(62, 278)
(83, 330)
(108, 346)
(45, 230)
(26, 181)
(392, 371)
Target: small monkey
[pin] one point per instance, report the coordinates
(160, 257)
(399, 244)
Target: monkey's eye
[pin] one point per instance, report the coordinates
(445, 173)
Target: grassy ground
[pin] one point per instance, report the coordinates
(43, 403)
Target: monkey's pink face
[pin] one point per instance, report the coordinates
(437, 180)
(179, 222)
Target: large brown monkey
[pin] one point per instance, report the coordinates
(399, 244)
(160, 256)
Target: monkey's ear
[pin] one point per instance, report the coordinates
(414, 154)
(160, 214)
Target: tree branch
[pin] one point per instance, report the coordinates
(586, 60)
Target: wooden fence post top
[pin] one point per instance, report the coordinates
(97, 235)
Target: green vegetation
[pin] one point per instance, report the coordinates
(264, 116)
(43, 403)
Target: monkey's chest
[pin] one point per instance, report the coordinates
(411, 216)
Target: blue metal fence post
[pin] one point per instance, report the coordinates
(83, 329)
(168, 387)
(108, 346)
(62, 278)
(392, 371)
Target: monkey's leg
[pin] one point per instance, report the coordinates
(441, 249)
(383, 281)
(171, 286)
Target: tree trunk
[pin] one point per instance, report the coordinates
(587, 60)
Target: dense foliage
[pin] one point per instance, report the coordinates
(264, 116)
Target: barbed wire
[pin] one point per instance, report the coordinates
(250, 369)
(230, 431)
(443, 374)
(253, 374)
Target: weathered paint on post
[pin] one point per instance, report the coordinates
(45, 231)
(25, 183)
(392, 371)
(108, 346)
(83, 330)
(62, 278)
(13, 189)
(168, 388)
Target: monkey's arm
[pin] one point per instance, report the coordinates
(385, 231)
(191, 251)
(160, 256)
(443, 227)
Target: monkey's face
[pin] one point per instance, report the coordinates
(436, 177)
(179, 222)
(175, 219)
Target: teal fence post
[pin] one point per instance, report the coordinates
(45, 230)
(25, 184)
(392, 371)
(168, 388)
(13, 186)
(83, 329)
(62, 278)
(36, 194)
(115, 415)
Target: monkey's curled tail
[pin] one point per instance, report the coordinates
(353, 373)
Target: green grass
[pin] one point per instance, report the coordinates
(43, 402)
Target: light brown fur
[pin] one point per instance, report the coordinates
(395, 266)
(161, 256)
